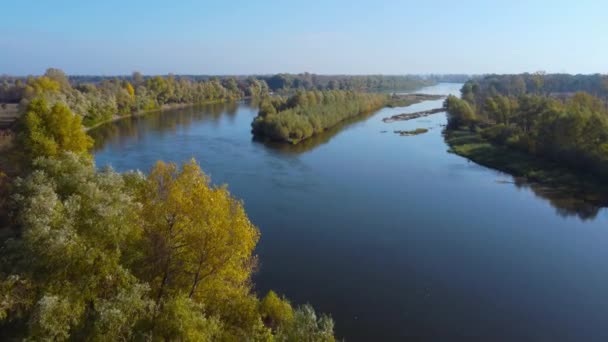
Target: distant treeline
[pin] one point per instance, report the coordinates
(449, 78)
(100, 101)
(306, 113)
(537, 83)
(306, 81)
(100, 98)
(12, 88)
(562, 118)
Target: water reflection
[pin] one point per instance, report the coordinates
(567, 202)
(398, 226)
(162, 122)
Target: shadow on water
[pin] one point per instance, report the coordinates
(314, 141)
(568, 202)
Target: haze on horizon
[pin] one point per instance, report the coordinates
(327, 37)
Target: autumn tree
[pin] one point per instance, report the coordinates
(198, 241)
(49, 130)
(276, 312)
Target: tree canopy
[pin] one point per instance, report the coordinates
(306, 113)
(48, 130)
(532, 113)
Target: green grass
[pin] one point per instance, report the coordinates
(519, 164)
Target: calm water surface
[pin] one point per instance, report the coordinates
(394, 236)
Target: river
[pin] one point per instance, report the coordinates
(392, 235)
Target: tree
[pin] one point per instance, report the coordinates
(538, 79)
(138, 78)
(58, 76)
(198, 241)
(460, 112)
(62, 277)
(48, 131)
(276, 312)
(307, 327)
(183, 320)
(130, 89)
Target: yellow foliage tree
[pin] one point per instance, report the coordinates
(276, 312)
(48, 131)
(130, 89)
(37, 86)
(198, 239)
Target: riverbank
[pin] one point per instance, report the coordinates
(470, 145)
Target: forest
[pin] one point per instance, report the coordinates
(285, 83)
(306, 113)
(96, 255)
(98, 100)
(561, 118)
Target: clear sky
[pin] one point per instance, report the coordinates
(351, 37)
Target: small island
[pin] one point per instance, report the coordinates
(307, 113)
(413, 132)
(411, 116)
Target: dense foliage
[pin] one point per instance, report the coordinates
(46, 130)
(309, 112)
(539, 83)
(98, 102)
(307, 81)
(100, 256)
(571, 129)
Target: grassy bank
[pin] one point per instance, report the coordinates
(531, 168)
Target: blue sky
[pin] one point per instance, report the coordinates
(351, 37)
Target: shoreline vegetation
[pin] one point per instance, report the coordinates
(307, 113)
(523, 166)
(547, 129)
(161, 256)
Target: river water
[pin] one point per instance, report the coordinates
(393, 236)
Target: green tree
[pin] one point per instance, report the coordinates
(307, 327)
(460, 112)
(64, 278)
